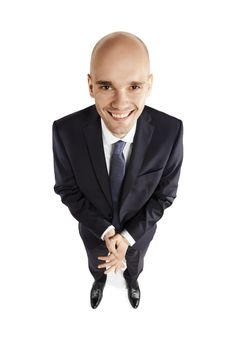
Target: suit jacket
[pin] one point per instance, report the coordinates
(151, 178)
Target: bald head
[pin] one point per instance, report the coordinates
(119, 44)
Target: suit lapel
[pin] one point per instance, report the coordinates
(93, 134)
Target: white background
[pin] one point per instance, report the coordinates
(186, 284)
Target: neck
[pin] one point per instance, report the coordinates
(120, 136)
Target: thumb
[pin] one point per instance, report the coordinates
(110, 243)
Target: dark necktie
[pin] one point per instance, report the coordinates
(117, 172)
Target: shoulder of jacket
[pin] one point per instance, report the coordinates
(79, 117)
(162, 118)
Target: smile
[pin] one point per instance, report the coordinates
(120, 116)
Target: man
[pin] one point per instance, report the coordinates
(117, 163)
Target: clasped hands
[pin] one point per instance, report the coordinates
(117, 246)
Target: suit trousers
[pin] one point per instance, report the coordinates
(134, 260)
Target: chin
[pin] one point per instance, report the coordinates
(120, 130)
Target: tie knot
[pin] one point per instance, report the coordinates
(118, 147)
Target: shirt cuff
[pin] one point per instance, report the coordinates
(109, 228)
(128, 237)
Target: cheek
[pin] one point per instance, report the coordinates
(103, 95)
(139, 99)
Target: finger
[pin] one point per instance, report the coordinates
(119, 266)
(110, 244)
(108, 257)
(114, 242)
(104, 266)
(113, 263)
(108, 263)
(110, 247)
(110, 270)
(113, 250)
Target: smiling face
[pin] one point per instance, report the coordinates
(119, 81)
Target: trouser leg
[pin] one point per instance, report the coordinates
(135, 263)
(93, 262)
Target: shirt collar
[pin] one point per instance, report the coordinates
(109, 138)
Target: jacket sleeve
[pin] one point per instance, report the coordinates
(66, 186)
(164, 194)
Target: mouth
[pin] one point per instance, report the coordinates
(120, 116)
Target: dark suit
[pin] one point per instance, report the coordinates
(150, 182)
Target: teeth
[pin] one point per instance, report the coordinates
(121, 116)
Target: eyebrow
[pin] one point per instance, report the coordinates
(105, 82)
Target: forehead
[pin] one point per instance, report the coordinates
(120, 70)
(119, 61)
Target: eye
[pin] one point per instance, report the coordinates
(135, 87)
(105, 87)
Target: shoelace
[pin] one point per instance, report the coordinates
(134, 293)
(95, 293)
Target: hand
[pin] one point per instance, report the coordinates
(116, 259)
(121, 245)
(111, 263)
(111, 244)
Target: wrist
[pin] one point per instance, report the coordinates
(109, 234)
(125, 240)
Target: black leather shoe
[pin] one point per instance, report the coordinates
(96, 293)
(133, 293)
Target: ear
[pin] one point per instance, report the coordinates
(90, 85)
(150, 83)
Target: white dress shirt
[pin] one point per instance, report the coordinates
(108, 140)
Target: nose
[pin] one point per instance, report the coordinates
(120, 101)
